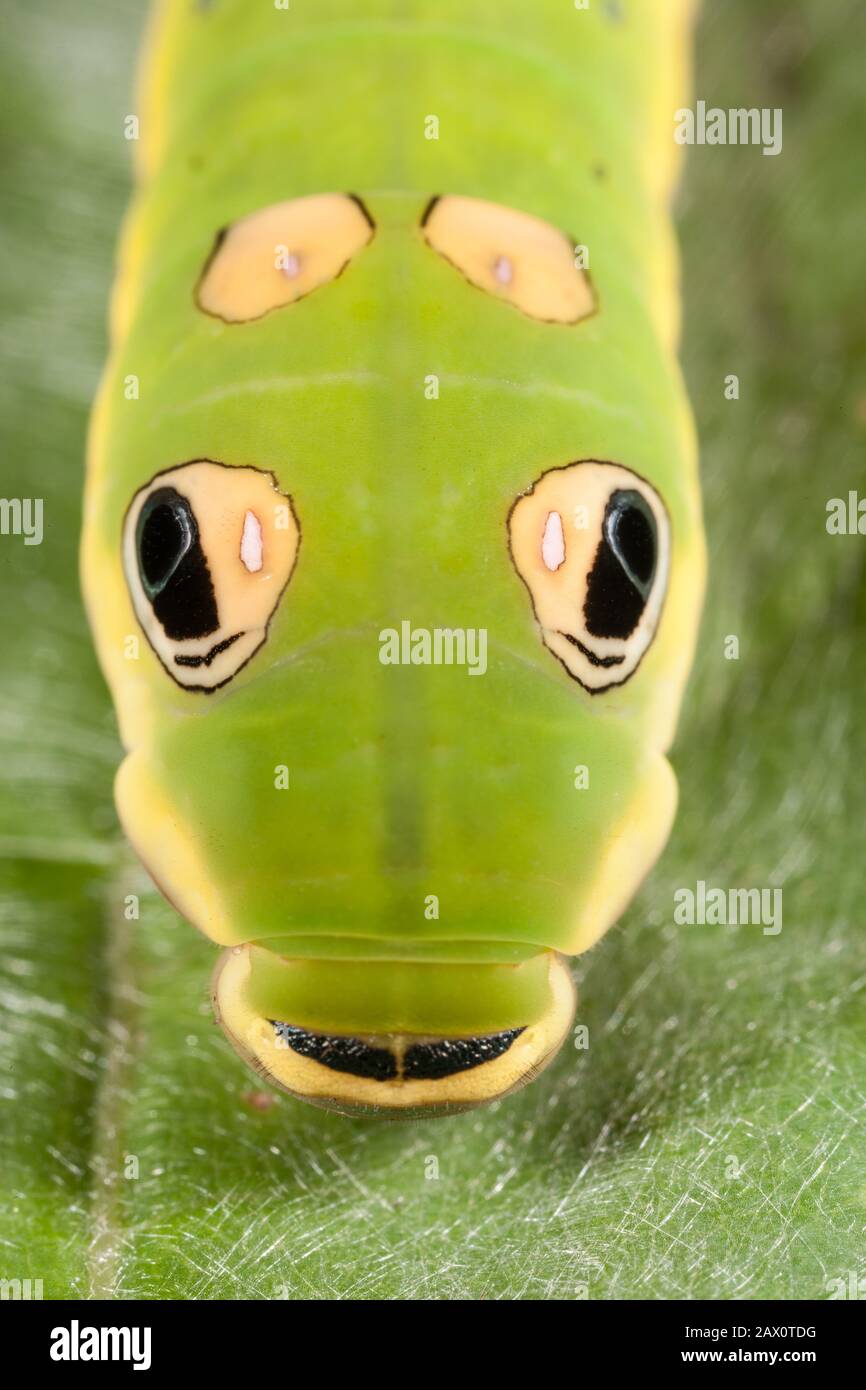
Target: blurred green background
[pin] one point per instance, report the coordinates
(710, 1144)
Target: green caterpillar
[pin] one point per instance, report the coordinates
(398, 292)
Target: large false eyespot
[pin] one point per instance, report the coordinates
(592, 544)
(511, 255)
(207, 551)
(279, 254)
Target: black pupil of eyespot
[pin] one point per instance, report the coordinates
(173, 567)
(630, 531)
(624, 567)
(166, 531)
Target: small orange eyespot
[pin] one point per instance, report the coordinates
(281, 253)
(512, 255)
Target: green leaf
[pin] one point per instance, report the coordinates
(709, 1143)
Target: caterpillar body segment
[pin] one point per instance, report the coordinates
(393, 554)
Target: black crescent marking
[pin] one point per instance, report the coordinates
(591, 655)
(434, 1061)
(208, 656)
(340, 1053)
(422, 1061)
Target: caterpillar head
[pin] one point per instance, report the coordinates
(388, 1070)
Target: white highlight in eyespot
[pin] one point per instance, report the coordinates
(292, 266)
(252, 545)
(503, 270)
(553, 542)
